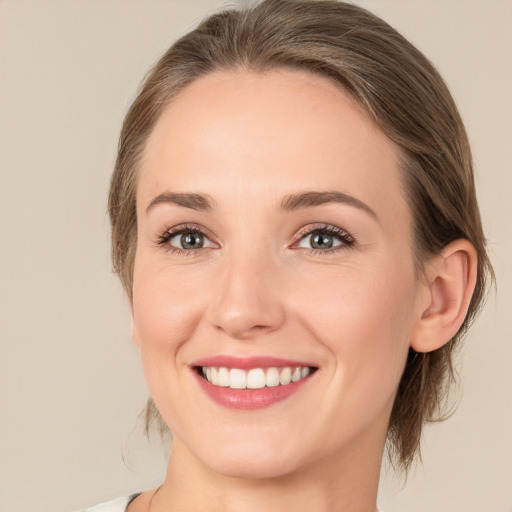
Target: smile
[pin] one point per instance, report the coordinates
(255, 378)
(251, 383)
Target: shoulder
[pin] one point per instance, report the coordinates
(116, 505)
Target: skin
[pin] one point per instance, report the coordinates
(247, 141)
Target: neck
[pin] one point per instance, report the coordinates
(343, 482)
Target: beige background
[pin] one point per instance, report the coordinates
(70, 381)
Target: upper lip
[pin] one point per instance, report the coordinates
(246, 363)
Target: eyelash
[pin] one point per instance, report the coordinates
(164, 239)
(347, 241)
(345, 238)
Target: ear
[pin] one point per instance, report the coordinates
(450, 280)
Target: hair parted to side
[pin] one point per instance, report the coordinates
(401, 91)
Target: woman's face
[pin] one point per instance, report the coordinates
(273, 234)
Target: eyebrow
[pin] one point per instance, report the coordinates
(291, 202)
(193, 201)
(309, 199)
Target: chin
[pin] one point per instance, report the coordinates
(249, 460)
(252, 469)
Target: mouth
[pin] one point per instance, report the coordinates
(250, 383)
(255, 378)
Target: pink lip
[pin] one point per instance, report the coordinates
(246, 363)
(247, 398)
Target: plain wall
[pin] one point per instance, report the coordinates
(71, 385)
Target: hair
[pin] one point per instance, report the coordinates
(406, 97)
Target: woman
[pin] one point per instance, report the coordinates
(295, 223)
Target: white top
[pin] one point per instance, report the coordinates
(117, 505)
(120, 504)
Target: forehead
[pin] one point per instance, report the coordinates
(282, 131)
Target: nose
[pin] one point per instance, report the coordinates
(250, 302)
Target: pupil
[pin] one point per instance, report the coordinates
(321, 241)
(191, 241)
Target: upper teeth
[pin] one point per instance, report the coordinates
(255, 378)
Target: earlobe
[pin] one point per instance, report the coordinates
(449, 284)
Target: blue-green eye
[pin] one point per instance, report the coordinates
(185, 239)
(319, 240)
(188, 240)
(325, 238)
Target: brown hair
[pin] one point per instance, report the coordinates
(405, 96)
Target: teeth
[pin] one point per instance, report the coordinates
(223, 377)
(272, 378)
(256, 378)
(237, 379)
(285, 377)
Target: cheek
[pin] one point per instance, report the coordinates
(166, 310)
(364, 319)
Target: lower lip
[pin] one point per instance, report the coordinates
(249, 398)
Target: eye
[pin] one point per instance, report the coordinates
(325, 238)
(188, 241)
(185, 239)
